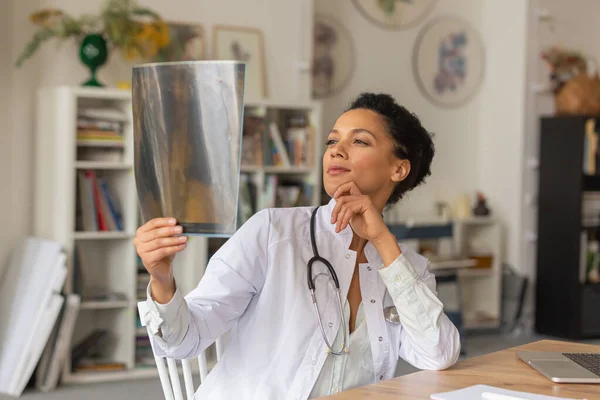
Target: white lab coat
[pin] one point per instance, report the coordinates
(255, 286)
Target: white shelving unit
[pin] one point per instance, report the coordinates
(109, 256)
(481, 288)
(107, 259)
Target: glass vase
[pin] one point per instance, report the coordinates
(93, 53)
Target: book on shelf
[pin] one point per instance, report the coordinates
(591, 158)
(87, 354)
(276, 192)
(252, 139)
(100, 126)
(280, 153)
(98, 207)
(286, 143)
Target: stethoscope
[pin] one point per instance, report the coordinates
(390, 313)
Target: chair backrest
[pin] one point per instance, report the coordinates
(169, 374)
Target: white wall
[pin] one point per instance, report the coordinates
(479, 145)
(502, 118)
(17, 98)
(384, 64)
(286, 26)
(6, 235)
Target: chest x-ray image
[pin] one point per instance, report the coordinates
(187, 139)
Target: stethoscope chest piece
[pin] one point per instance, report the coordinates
(391, 315)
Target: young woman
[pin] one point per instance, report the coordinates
(257, 285)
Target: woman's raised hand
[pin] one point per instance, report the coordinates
(157, 242)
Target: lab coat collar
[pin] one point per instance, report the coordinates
(345, 235)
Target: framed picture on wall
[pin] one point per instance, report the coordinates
(394, 14)
(247, 45)
(187, 42)
(333, 56)
(448, 61)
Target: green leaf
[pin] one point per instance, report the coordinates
(41, 36)
(145, 12)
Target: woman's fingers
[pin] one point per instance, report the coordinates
(156, 223)
(155, 256)
(340, 203)
(164, 232)
(158, 243)
(347, 188)
(349, 209)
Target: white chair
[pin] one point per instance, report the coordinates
(169, 376)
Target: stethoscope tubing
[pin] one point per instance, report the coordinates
(311, 286)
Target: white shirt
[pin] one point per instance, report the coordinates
(255, 287)
(351, 369)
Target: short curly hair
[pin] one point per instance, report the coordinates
(412, 141)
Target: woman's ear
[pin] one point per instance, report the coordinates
(401, 170)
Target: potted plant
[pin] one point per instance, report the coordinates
(138, 33)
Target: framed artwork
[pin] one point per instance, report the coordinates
(187, 42)
(333, 56)
(394, 14)
(448, 61)
(247, 45)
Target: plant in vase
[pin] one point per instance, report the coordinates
(138, 33)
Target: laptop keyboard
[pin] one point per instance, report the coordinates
(589, 361)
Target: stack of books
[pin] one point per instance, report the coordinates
(100, 127)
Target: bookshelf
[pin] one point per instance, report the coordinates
(84, 163)
(568, 277)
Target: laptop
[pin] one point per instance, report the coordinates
(564, 367)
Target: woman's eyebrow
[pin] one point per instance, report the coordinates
(356, 130)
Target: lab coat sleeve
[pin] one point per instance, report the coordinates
(233, 276)
(429, 340)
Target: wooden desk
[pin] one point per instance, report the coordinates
(501, 369)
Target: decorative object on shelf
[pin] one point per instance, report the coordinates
(481, 209)
(448, 61)
(394, 14)
(93, 53)
(187, 125)
(333, 56)
(461, 207)
(246, 45)
(187, 43)
(575, 87)
(121, 24)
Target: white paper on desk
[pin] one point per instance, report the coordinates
(474, 393)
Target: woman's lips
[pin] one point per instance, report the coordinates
(337, 170)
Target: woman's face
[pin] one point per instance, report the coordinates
(360, 149)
